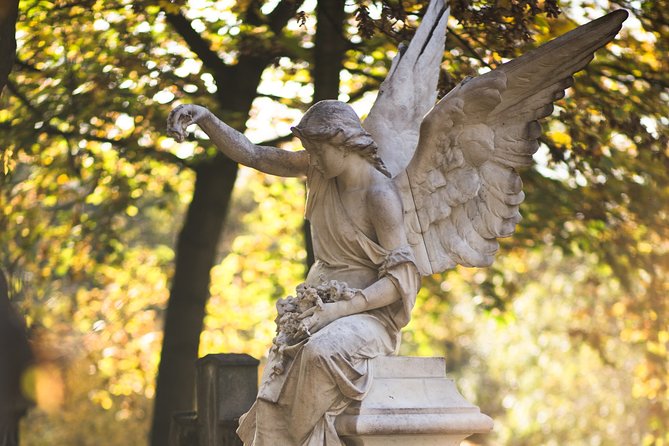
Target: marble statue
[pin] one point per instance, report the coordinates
(414, 190)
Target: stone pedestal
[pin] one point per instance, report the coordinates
(411, 402)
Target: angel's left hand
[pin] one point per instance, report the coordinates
(316, 318)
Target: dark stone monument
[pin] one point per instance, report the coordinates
(227, 385)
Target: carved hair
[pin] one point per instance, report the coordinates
(337, 122)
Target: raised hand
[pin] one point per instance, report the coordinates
(181, 117)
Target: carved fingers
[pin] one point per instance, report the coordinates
(181, 117)
(317, 317)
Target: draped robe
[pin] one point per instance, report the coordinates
(331, 368)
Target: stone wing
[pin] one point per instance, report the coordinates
(409, 91)
(462, 191)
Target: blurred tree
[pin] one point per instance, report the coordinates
(9, 10)
(93, 178)
(13, 338)
(17, 357)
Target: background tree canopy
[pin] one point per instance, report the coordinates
(111, 231)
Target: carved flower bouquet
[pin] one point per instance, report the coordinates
(290, 329)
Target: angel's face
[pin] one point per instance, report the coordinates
(327, 158)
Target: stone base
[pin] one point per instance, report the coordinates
(411, 402)
(404, 440)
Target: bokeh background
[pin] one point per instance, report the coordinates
(121, 245)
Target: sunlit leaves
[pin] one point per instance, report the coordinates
(263, 264)
(564, 340)
(567, 367)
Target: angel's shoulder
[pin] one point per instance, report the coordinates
(384, 202)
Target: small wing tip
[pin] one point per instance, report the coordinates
(621, 14)
(616, 17)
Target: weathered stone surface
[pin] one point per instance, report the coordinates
(227, 385)
(411, 402)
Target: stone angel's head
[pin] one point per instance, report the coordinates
(337, 124)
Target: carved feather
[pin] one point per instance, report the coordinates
(461, 187)
(409, 91)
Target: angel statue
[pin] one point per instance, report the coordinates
(416, 189)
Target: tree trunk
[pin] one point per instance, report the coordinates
(14, 348)
(329, 50)
(196, 253)
(195, 256)
(9, 10)
(196, 247)
(16, 358)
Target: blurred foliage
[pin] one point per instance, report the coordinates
(263, 264)
(563, 341)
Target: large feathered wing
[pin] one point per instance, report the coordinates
(461, 186)
(409, 91)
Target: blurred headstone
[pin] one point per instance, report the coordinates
(227, 384)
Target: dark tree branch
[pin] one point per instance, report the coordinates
(469, 48)
(277, 19)
(9, 10)
(197, 44)
(27, 65)
(276, 98)
(621, 69)
(362, 72)
(282, 13)
(360, 92)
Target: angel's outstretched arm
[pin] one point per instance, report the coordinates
(235, 145)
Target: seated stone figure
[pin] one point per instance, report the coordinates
(358, 238)
(421, 188)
